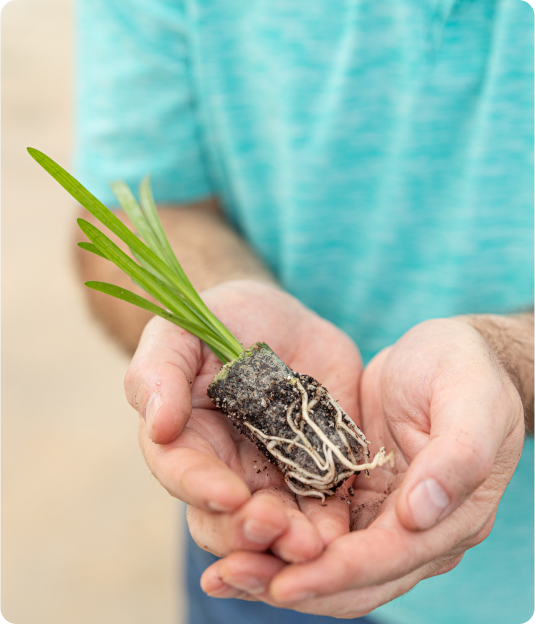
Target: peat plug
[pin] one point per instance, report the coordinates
(293, 420)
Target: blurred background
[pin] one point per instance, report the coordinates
(88, 535)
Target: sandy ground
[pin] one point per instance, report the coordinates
(88, 535)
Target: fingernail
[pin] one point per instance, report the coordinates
(300, 596)
(250, 584)
(154, 404)
(259, 532)
(226, 592)
(427, 501)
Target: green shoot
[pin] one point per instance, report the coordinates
(157, 270)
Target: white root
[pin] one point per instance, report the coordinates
(325, 483)
(301, 492)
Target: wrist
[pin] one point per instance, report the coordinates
(496, 331)
(510, 339)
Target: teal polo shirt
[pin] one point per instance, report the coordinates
(378, 155)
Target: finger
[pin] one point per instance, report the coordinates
(215, 587)
(196, 477)
(301, 542)
(248, 575)
(357, 603)
(226, 591)
(243, 572)
(331, 517)
(270, 519)
(384, 552)
(469, 424)
(255, 526)
(157, 383)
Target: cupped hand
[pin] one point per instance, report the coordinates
(237, 499)
(440, 398)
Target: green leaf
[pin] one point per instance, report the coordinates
(128, 203)
(103, 214)
(159, 290)
(147, 266)
(151, 215)
(93, 249)
(154, 286)
(140, 302)
(160, 274)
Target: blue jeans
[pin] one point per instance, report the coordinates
(205, 610)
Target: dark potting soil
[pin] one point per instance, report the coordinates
(257, 388)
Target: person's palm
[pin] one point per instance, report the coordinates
(203, 459)
(443, 403)
(430, 393)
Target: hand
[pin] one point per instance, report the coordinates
(442, 400)
(237, 500)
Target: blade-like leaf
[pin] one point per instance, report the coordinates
(103, 214)
(147, 266)
(140, 302)
(128, 203)
(177, 293)
(155, 287)
(151, 214)
(107, 218)
(93, 249)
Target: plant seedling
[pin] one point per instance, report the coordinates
(291, 417)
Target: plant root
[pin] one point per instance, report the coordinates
(294, 421)
(322, 485)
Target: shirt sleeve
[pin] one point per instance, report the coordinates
(135, 106)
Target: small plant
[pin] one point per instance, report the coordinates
(291, 417)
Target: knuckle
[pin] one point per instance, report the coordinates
(452, 565)
(446, 564)
(480, 535)
(182, 484)
(205, 534)
(133, 373)
(195, 525)
(132, 382)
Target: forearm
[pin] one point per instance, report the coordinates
(209, 250)
(511, 340)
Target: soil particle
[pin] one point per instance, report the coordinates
(364, 513)
(260, 389)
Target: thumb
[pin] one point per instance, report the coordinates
(470, 419)
(158, 381)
